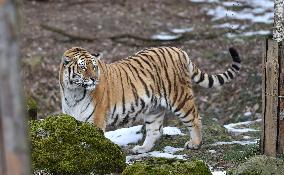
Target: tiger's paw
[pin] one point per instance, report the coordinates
(191, 145)
(140, 149)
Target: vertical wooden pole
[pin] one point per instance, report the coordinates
(281, 101)
(272, 140)
(264, 60)
(14, 148)
(270, 119)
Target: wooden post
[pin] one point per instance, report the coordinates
(14, 150)
(281, 101)
(270, 98)
(272, 138)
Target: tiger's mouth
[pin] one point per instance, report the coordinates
(89, 84)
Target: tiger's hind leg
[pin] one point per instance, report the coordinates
(192, 120)
(154, 130)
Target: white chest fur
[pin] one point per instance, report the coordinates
(78, 103)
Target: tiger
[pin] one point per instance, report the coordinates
(143, 86)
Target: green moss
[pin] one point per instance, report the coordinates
(259, 165)
(240, 153)
(162, 166)
(213, 131)
(62, 145)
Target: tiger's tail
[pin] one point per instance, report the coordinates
(209, 81)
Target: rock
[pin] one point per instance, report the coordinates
(259, 165)
(163, 166)
(63, 145)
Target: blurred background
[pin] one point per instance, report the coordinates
(205, 29)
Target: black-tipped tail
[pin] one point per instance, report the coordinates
(208, 81)
(235, 55)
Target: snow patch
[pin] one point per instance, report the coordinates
(260, 32)
(183, 30)
(231, 127)
(165, 36)
(172, 131)
(219, 173)
(131, 158)
(247, 137)
(245, 142)
(212, 151)
(172, 150)
(125, 136)
(260, 11)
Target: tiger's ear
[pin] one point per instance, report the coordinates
(97, 56)
(65, 60)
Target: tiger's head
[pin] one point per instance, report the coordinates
(79, 69)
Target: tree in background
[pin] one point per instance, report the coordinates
(14, 150)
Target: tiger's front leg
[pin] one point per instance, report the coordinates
(154, 130)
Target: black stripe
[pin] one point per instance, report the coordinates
(73, 75)
(138, 61)
(146, 61)
(115, 120)
(90, 115)
(113, 111)
(187, 113)
(211, 81)
(181, 104)
(126, 119)
(142, 104)
(194, 74)
(149, 122)
(181, 94)
(84, 95)
(226, 75)
(127, 65)
(187, 121)
(221, 80)
(230, 74)
(160, 127)
(175, 91)
(160, 60)
(165, 60)
(236, 67)
(180, 63)
(201, 78)
(123, 95)
(88, 105)
(142, 81)
(134, 91)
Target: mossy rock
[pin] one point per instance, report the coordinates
(31, 108)
(259, 165)
(163, 166)
(63, 145)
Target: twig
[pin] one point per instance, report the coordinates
(69, 35)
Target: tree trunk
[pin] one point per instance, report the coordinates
(278, 21)
(13, 134)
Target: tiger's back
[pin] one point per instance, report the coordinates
(146, 85)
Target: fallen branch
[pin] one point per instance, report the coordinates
(135, 40)
(64, 33)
